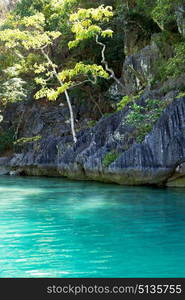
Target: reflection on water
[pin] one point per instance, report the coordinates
(59, 228)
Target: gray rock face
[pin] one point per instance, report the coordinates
(161, 152)
(154, 161)
(115, 92)
(180, 17)
(139, 69)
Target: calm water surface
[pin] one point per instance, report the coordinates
(59, 228)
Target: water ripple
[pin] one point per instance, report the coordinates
(59, 228)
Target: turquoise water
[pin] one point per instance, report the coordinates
(59, 228)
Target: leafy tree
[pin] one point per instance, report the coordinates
(30, 33)
(85, 27)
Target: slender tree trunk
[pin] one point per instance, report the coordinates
(71, 117)
(66, 95)
(105, 63)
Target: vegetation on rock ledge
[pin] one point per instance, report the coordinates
(72, 51)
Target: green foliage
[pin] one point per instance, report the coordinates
(6, 140)
(29, 33)
(136, 116)
(180, 95)
(146, 6)
(165, 42)
(91, 123)
(56, 15)
(26, 8)
(124, 101)
(13, 90)
(85, 23)
(163, 12)
(51, 9)
(25, 34)
(84, 69)
(109, 158)
(53, 25)
(143, 118)
(25, 140)
(33, 32)
(176, 65)
(33, 24)
(143, 131)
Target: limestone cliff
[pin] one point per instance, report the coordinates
(157, 160)
(110, 150)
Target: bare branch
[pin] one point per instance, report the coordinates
(105, 63)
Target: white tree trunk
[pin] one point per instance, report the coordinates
(71, 117)
(105, 63)
(66, 95)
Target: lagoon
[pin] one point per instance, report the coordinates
(52, 227)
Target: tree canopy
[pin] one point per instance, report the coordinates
(31, 39)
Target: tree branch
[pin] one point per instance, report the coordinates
(84, 81)
(105, 63)
(66, 95)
